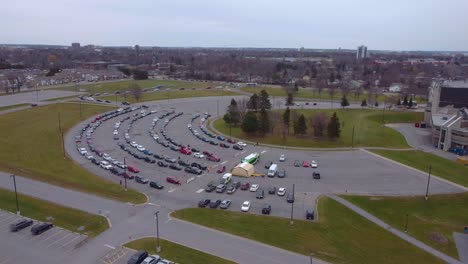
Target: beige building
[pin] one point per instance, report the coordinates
(447, 114)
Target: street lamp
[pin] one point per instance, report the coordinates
(125, 172)
(428, 181)
(292, 206)
(406, 224)
(16, 194)
(158, 246)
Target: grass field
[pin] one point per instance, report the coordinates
(65, 217)
(32, 147)
(368, 130)
(340, 236)
(167, 95)
(444, 168)
(12, 106)
(309, 93)
(175, 252)
(110, 87)
(432, 222)
(60, 98)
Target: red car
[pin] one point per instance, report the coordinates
(306, 164)
(128, 176)
(185, 151)
(245, 186)
(231, 141)
(173, 180)
(221, 169)
(133, 169)
(213, 158)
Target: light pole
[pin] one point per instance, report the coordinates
(292, 206)
(428, 180)
(16, 194)
(158, 246)
(352, 139)
(406, 224)
(125, 172)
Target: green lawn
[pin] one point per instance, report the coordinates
(172, 94)
(444, 168)
(60, 98)
(12, 106)
(32, 147)
(65, 217)
(124, 85)
(309, 93)
(368, 130)
(340, 236)
(175, 252)
(432, 222)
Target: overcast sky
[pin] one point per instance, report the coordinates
(379, 24)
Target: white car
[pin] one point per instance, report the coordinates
(153, 259)
(282, 157)
(106, 156)
(245, 206)
(105, 165)
(115, 132)
(82, 151)
(242, 144)
(89, 156)
(189, 125)
(134, 144)
(281, 191)
(155, 137)
(198, 155)
(254, 187)
(141, 148)
(313, 164)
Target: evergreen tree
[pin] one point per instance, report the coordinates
(296, 87)
(289, 99)
(364, 103)
(344, 101)
(287, 118)
(398, 102)
(405, 101)
(334, 130)
(233, 112)
(252, 104)
(264, 101)
(376, 104)
(301, 125)
(227, 118)
(410, 104)
(263, 125)
(249, 124)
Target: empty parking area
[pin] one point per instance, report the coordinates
(52, 246)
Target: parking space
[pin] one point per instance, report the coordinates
(118, 255)
(23, 247)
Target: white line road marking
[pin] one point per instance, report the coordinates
(59, 239)
(172, 190)
(224, 162)
(8, 223)
(53, 234)
(263, 152)
(168, 220)
(109, 246)
(199, 191)
(153, 204)
(64, 245)
(8, 218)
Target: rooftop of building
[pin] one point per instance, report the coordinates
(455, 84)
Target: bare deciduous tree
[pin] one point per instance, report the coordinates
(318, 122)
(136, 91)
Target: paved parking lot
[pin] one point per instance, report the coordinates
(342, 171)
(23, 247)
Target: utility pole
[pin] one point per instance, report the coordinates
(352, 139)
(428, 180)
(383, 111)
(61, 135)
(125, 171)
(158, 246)
(16, 194)
(292, 206)
(217, 107)
(406, 224)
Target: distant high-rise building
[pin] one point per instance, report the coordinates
(75, 45)
(361, 52)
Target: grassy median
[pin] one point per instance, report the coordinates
(32, 147)
(340, 236)
(168, 95)
(432, 222)
(368, 130)
(110, 87)
(65, 217)
(175, 252)
(444, 168)
(12, 106)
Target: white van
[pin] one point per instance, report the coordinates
(272, 170)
